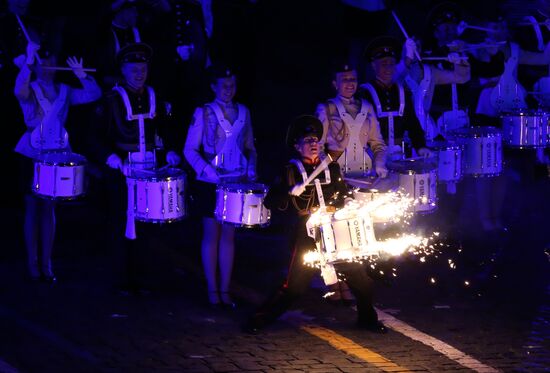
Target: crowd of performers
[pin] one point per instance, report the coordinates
(408, 120)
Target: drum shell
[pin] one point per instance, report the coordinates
(449, 161)
(345, 239)
(418, 180)
(529, 129)
(59, 175)
(158, 197)
(482, 154)
(242, 205)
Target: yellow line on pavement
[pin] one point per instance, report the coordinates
(350, 347)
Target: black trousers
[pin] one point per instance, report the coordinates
(130, 257)
(299, 277)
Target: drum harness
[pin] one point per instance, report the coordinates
(130, 116)
(388, 114)
(352, 161)
(230, 157)
(51, 134)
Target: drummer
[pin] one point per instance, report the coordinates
(299, 202)
(123, 146)
(45, 104)
(351, 133)
(393, 104)
(220, 148)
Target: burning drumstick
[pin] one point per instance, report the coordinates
(27, 35)
(300, 188)
(66, 68)
(404, 32)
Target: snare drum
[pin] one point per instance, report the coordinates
(482, 155)
(418, 179)
(59, 175)
(373, 188)
(525, 129)
(242, 205)
(346, 238)
(158, 196)
(449, 160)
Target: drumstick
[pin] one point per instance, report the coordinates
(404, 33)
(27, 36)
(66, 68)
(354, 182)
(319, 169)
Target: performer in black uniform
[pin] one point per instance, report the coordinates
(303, 135)
(392, 102)
(115, 137)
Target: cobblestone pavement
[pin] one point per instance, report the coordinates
(499, 322)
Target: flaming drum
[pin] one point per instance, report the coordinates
(344, 235)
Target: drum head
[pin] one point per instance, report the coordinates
(524, 113)
(443, 145)
(61, 159)
(374, 183)
(249, 188)
(163, 174)
(413, 165)
(472, 132)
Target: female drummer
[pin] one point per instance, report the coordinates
(291, 195)
(220, 148)
(45, 104)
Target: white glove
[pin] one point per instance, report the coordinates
(210, 173)
(298, 189)
(76, 65)
(454, 58)
(424, 152)
(172, 158)
(381, 171)
(32, 50)
(114, 162)
(20, 61)
(410, 49)
(184, 51)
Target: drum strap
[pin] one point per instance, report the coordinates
(139, 117)
(389, 114)
(230, 157)
(352, 161)
(130, 219)
(129, 111)
(299, 165)
(51, 130)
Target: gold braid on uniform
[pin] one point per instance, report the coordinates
(308, 197)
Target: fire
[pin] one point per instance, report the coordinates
(349, 234)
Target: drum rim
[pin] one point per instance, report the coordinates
(227, 188)
(464, 133)
(155, 177)
(81, 160)
(158, 221)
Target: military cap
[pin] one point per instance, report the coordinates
(303, 126)
(218, 71)
(383, 46)
(135, 52)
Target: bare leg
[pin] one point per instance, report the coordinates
(226, 255)
(31, 226)
(209, 250)
(47, 232)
